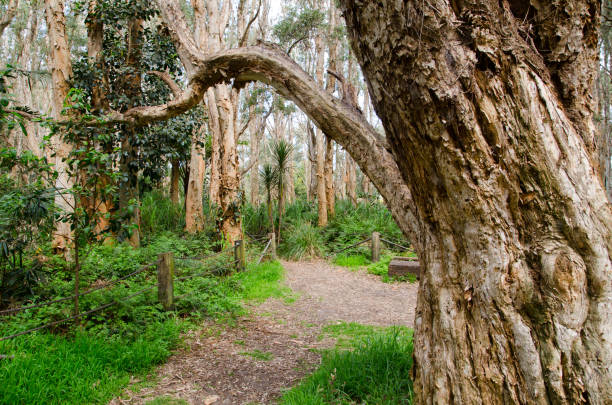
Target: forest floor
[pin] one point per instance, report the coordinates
(254, 359)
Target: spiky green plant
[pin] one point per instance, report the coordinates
(281, 156)
(268, 178)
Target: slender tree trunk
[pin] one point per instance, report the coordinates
(330, 86)
(61, 73)
(194, 213)
(320, 142)
(175, 177)
(254, 152)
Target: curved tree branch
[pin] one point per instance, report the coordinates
(339, 120)
(166, 78)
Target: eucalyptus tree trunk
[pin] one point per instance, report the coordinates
(194, 214)
(319, 141)
(330, 86)
(254, 152)
(491, 127)
(175, 177)
(61, 73)
(8, 15)
(487, 168)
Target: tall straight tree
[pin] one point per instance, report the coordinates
(61, 73)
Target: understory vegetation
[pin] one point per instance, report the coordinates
(368, 365)
(93, 360)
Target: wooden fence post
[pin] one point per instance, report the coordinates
(375, 247)
(240, 254)
(165, 280)
(272, 238)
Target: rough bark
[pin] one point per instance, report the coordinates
(175, 176)
(8, 15)
(61, 72)
(320, 142)
(194, 214)
(514, 301)
(254, 153)
(330, 86)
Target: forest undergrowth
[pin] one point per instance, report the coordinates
(92, 362)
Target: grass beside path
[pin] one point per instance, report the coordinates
(93, 366)
(369, 365)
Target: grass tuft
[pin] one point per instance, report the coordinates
(376, 371)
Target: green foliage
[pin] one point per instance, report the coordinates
(351, 225)
(298, 25)
(158, 214)
(375, 371)
(351, 261)
(302, 241)
(82, 369)
(262, 281)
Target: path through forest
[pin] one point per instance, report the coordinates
(274, 347)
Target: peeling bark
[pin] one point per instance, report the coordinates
(61, 72)
(194, 214)
(514, 302)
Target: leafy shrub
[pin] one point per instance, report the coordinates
(302, 241)
(159, 214)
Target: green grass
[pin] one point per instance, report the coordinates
(82, 369)
(262, 281)
(347, 334)
(258, 355)
(95, 364)
(352, 261)
(375, 371)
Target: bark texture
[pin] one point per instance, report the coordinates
(485, 168)
(493, 136)
(194, 214)
(61, 72)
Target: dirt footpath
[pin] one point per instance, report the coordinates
(271, 350)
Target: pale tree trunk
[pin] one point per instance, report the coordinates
(254, 152)
(215, 131)
(290, 185)
(320, 142)
(61, 73)
(100, 204)
(330, 86)
(495, 142)
(351, 180)
(340, 169)
(194, 215)
(8, 15)
(312, 161)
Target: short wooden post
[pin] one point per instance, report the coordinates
(240, 254)
(375, 247)
(272, 238)
(165, 280)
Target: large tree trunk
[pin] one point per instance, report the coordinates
(61, 73)
(254, 135)
(490, 179)
(494, 139)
